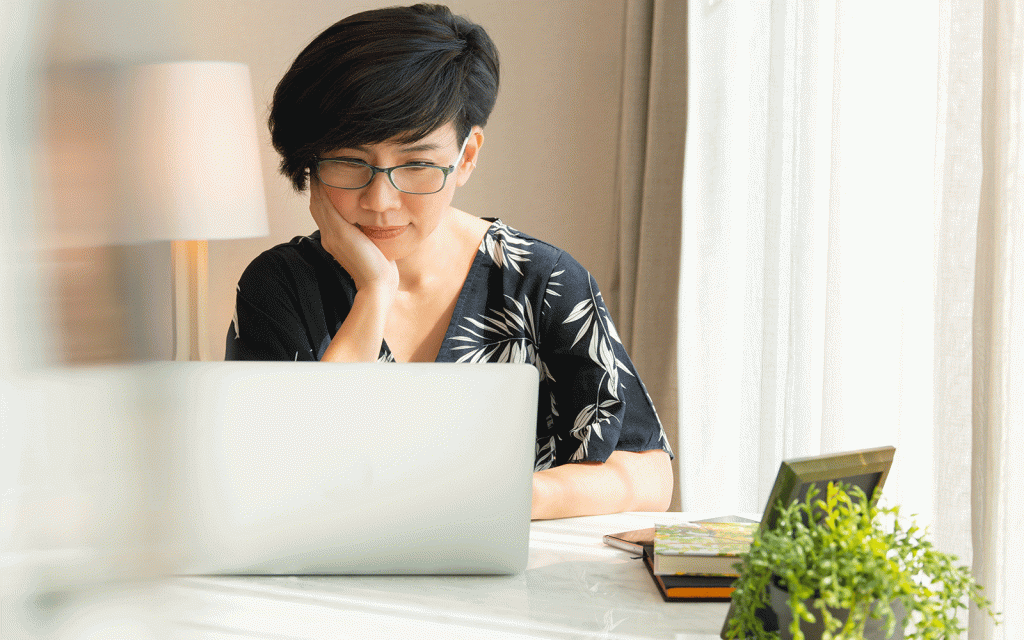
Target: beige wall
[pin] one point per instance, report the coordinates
(549, 159)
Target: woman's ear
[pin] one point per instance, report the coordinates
(470, 155)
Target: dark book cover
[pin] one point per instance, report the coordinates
(690, 588)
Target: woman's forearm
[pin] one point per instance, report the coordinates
(627, 481)
(360, 336)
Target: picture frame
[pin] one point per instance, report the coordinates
(865, 468)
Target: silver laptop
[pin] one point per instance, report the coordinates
(316, 468)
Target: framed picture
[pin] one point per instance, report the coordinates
(866, 468)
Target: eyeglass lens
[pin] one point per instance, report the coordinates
(411, 179)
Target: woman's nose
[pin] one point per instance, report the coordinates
(380, 194)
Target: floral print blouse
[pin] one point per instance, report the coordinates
(523, 301)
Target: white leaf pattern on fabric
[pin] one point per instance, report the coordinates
(551, 289)
(494, 338)
(591, 417)
(582, 308)
(545, 454)
(505, 248)
(234, 318)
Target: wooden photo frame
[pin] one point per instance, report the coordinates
(865, 468)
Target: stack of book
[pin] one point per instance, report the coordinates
(695, 561)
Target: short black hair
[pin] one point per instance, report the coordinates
(396, 73)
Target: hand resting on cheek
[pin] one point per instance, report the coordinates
(356, 253)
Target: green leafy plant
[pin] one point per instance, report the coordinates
(848, 554)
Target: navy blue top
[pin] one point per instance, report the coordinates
(523, 301)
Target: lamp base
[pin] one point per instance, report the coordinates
(190, 299)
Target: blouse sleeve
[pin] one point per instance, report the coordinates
(268, 323)
(597, 402)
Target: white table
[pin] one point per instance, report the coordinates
(574, 587)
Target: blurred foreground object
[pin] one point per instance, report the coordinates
(193, 174)
(83, 463)
(83, 517)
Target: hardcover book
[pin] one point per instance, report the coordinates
(691, 588)
(701, 548)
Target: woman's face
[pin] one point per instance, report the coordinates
(397, 222)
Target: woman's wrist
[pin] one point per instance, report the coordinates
(380, 291)
(546, 489)
(359, 337)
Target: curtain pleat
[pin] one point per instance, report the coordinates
(998, 372)
(650, 163)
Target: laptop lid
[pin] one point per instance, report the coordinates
(318, 468)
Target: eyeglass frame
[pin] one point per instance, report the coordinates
(374, 170)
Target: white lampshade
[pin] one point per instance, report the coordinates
(193, 168)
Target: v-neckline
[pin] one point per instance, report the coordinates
(460, 300)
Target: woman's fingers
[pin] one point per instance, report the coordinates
(356, 253)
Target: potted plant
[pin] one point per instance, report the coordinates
(851, 569)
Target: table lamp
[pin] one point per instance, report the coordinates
(194, 174)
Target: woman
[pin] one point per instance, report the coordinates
(395, 273)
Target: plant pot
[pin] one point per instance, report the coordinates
(874, 628)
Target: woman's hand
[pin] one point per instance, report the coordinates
(359, 337)
(356, 253)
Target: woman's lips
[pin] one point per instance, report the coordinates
(382, 233)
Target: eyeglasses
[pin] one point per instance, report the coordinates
(417, 179)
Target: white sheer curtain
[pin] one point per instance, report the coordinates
(852, 199)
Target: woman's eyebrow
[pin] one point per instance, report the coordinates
(412, 148)
(423, 146)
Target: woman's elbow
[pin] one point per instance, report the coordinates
(650, 479)
(664, 482)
